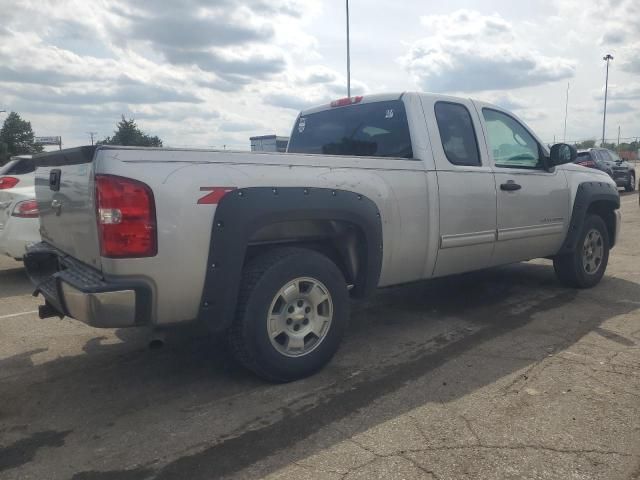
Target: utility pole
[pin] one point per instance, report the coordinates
(348, 56)
(566, 110)
(606, 58)
(91, 134)
(618, 135)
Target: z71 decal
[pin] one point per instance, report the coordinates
(215, 195)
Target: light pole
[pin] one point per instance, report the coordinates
(566, 109)
(606, 58)
(348, 56)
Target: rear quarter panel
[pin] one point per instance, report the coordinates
(176, 274)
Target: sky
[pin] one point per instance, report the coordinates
(213, 73)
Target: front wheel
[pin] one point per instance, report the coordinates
(585, 266)
(631, 184)
(292, 311)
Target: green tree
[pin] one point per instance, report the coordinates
(127, 133)
(586, 144)
(16, 138)
(610, 146)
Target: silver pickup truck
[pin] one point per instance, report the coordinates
(268, 248)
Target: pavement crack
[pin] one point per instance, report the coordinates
(467, 422)
(364, 447)
(611, 387)
(418, 428)
(420, 467)
(522, 447)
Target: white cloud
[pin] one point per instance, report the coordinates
(198, 72)
(467, 52)
(630, 91)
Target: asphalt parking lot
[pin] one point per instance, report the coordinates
(495, 374)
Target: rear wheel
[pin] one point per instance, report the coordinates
(292, 311)
(584, 267)
(631, 183)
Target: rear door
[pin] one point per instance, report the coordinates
(466, 187)
(65, 194)
(533, 203)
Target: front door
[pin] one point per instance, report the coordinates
(533, 203)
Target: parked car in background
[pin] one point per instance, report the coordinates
(19, 225)
(621, 171)
(18, 172)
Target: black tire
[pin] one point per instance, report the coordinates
(262, 279)
(569, 267)
(631, 183)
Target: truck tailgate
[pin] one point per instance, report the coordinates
(65, 194)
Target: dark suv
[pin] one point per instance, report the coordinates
(622, 172)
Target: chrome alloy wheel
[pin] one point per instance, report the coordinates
(299, 317)
(592, 251)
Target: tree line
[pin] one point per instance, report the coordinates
(622, 147)
(17, 137)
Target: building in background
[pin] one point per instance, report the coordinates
(629, 154)
(269, 143)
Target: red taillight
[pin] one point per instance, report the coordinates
(26, 209)
(588, 163)
(343, 102)
(126, 218)
(8, 182)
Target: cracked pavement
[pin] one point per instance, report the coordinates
(499, 374)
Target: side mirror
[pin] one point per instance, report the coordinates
(562, 153)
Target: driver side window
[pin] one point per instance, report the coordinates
(511, 144)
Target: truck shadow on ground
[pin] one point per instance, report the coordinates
(109, 383)
(14, 282)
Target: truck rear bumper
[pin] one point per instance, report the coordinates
(73, 289)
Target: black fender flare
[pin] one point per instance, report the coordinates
(242, 212)
(587, 194)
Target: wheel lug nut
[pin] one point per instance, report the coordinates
(300, 303)
(306, 321)
(307, 310)
(289, 321)
(296, 327)
(290, 309)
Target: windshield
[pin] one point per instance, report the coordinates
(377, 129)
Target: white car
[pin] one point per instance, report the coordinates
(19, 225)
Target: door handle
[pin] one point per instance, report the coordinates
(56, 206)
(510, 186)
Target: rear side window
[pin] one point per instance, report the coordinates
(18, 166)
(23, 166)
(457, 134)
(377, 129)
(7, 168)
